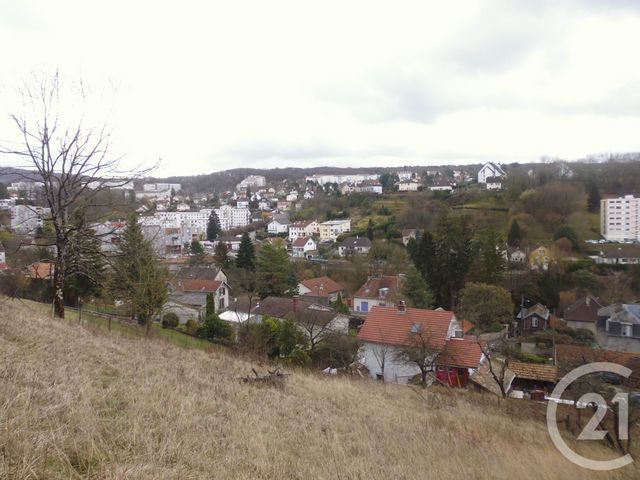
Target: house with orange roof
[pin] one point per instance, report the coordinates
(379, 290)
(389, 331)
(320, 288)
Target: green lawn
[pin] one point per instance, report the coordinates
(130, 330)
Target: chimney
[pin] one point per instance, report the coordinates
(294, 302)
(402, 306)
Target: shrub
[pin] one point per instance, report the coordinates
(191, 326)
(297, 358)
(170, 320)
(212, 327)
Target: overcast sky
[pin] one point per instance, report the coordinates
(208, 86)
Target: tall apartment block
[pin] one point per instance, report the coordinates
(620, 218)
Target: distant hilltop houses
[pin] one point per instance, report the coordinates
(340, 179)
(490, 171)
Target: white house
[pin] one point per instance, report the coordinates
(379, 290)
(278, 225)
(352, 245)
(494, 183)
(302, 245)
(489, 170)
(302, 228)
(388, 331)
(407, 185)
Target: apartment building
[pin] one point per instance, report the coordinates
(332, 229)
(620, 219)
(26, 219)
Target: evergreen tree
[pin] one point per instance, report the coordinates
(213, 226)
(489, 263)
(593, 200)
(514, 236)
(196, 248)
(138, 278)
(565, 231)
(85, 272)
(221, 255)
(415, 290)
(246, 253)
(275, 273)
(370, 230)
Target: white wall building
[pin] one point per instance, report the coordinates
(339, 179)
(620, 219)
(332, 229)
(488, 170)
(408, 185)
(26, 219)
(252, 181)
(231, 217)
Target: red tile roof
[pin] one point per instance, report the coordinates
(194, 285)
(322, 286)
(460, 352)
(301, 241)
(534, 371)
(371, 289)
(389, 326)
(584, 310)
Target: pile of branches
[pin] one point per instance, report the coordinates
(273, 378)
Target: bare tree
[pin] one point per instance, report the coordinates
(499, 354)
(70, 161)
(422, 351)
(316, 323)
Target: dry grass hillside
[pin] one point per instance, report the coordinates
(77, 403)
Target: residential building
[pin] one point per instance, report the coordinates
(233, 243)
(540, 257)
(26, 219)
(340, 179)
(618, 327)
(442, 185)
(517, 256)
(408, 185)
(320, 288)
(584, 313)
(233, 217)
(387, 331)
(378, 290)
(3, 258)
(405, 174)
(158, 191)
(620, 219)
(490, 170)
(332, 229)
(252, 181)
(284, 205)
(313, 319)
(279, 224)
(303, 228)
(494, 183)
(7, 203)
(533, 378)
(536, 318)
(408, 234)
(369, 186)
(628, 255)
(41, 270)
(302, 245)
(353, 245)
(569, 357)
(28, 190)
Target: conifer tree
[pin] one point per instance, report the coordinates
(246, 254)
(213, 226)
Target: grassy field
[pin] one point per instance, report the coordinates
(82, 403)
(97, 322)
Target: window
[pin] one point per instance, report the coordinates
(534, 322)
